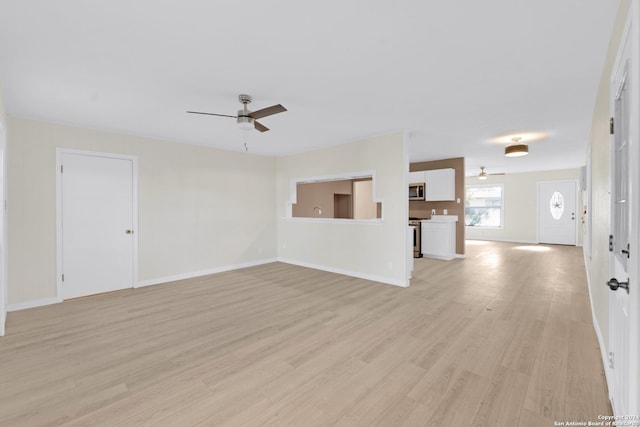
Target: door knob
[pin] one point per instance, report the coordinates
(614, 284)
(128, 232)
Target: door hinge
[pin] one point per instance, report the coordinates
(611, 126)
(626, 251)
(61, 169)
(611, 360)
(610, 242)
(63, 277)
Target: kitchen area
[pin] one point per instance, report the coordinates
(436, 208)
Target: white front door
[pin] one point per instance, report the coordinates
(623, 244)
(557, 212)
(97, 209)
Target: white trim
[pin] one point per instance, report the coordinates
(408, 237)
(372, 277)
(48, 301)
(32, 304)
(376, 221)
(527, 242)
(596, 327)
(183, 276)
(439, 257)
(460, 256)
(4, 241)
(134, 162)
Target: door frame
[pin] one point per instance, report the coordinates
(4, 276)
(59, 261)
(630, 35)
(575, 209)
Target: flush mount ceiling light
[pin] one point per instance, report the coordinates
(516, 148)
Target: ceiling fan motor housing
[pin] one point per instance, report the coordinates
(244, 120)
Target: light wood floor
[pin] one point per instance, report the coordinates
(501, 338)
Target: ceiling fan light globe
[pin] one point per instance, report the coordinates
(245, 123)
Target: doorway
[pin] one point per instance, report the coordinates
(557, 212)
(97, 223)
(342, 206)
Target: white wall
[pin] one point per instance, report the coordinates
(200, 209)
(373, 250)
(520, 205)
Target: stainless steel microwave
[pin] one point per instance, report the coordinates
(416, 191)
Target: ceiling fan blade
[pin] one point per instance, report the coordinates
(212, 114)
(260, 126)
(499, 173)
(274, 109)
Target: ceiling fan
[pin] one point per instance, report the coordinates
(483, 174)
(247, 119)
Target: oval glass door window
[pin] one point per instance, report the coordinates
(556, 205)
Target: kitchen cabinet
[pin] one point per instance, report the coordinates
(416, 177)
(439, 237)
(440, 184)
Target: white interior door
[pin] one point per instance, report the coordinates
(557, 212)
(98, 217)
(623, 245)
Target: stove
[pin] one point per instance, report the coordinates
(417, 236)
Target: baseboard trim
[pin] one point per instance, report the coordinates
(527, 242)
(199, 273)
(460, 256)
(3, 321)
(596, 326)
(48, 301)
(32, 304)
(372, 277)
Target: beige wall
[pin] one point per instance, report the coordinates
(599, 143)
(377, 249)
(422, 209)
(199, 208)
(520, 205)
(363, 205)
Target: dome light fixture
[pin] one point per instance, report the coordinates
(516, 148)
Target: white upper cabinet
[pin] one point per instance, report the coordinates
(440, 184)
(416, 177)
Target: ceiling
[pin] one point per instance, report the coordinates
(454, 74)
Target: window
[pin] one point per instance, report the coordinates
(483, 206)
